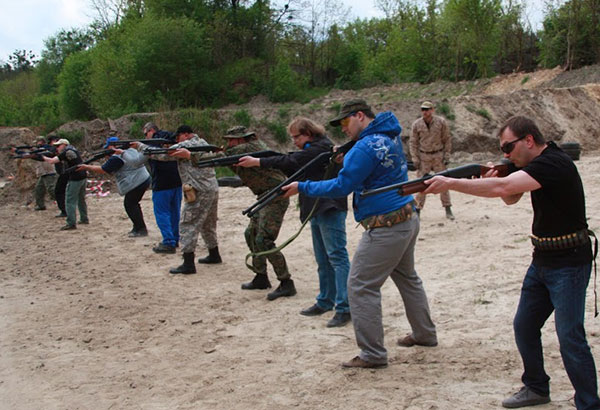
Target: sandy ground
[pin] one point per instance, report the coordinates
(91, 319)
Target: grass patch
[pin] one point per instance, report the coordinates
(278, 130)
(525, 79)
(446, 111)
(242, 117)
(482, 112)
(75, 137)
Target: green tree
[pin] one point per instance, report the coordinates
(74, 87)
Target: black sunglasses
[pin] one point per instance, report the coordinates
(509, 146)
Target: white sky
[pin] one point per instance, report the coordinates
(25, 24)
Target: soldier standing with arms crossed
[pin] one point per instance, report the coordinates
(430, 147)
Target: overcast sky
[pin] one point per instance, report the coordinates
(25, 24)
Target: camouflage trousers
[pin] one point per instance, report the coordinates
(199, 218)
(45, 183)
(431, 163)
(261, 234)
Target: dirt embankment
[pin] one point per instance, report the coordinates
(566, 106)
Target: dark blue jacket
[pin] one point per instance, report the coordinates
(165, 174)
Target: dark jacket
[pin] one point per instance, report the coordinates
(165, 174)
(293, 161)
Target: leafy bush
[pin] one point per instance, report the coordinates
(446, 111)
(242, 117)
(278, 130)
(74, 87)
(74, 137)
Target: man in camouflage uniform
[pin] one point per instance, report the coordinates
(430, 147)
(264, 226)
(46, 176)
(201, 194)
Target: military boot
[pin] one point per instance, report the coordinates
(260, 281)
(188, 265)
(449, 214)
(213, 256)
(285, 288)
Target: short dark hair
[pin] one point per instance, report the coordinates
(184, 129)
(523, 126)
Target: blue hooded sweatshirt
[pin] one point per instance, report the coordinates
(376, 160)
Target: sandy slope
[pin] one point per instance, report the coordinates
(90, 319)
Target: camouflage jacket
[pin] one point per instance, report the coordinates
(202, 179)
(259, 180)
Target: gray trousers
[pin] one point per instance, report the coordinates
(383, 252)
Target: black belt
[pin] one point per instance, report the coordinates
(555, 243)
(431, 152)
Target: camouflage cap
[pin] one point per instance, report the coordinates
(427, 105)
(239, 131)
(348, 108)
(40, 138)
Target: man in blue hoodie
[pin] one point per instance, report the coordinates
(391, 227)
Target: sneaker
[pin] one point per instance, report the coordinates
(162, 248)
(525, 397)
(68, 227)
(86, 222)
(339, 319)
(60, 215)
(314, 310)
(39, 208)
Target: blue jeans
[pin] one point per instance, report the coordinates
(561, 290)
(167, 210)
(329, 244)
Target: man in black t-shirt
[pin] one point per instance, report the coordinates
(559, 273)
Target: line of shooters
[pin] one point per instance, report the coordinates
(373, 167)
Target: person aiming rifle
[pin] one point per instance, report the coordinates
(558, 275)
(386, 248)
(75, 191)
(327, 215)
(201, 192)
(45, 172)
(128, 167)
(263, 229)
(166, 192)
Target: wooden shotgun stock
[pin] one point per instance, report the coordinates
(418, 185)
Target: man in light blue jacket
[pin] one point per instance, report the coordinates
(391, 227)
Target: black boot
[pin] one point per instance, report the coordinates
(188, 265)
(285, 288)
(213, 256)
(260, 281)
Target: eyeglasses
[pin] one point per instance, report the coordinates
(425, 109)
(509, 146)
(346, 120)
(296, 136)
